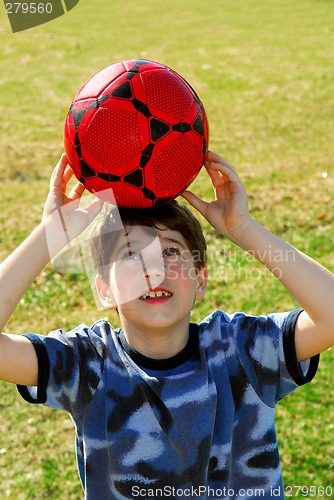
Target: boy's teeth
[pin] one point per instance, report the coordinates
(159, 293)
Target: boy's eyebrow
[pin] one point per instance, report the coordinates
(138, 243)
(128, 244)
(133, 243)
(172, 240)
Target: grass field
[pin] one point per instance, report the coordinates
(265, 73)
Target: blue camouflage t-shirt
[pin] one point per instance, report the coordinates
(197, 425)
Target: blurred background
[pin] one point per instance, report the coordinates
(264, 71)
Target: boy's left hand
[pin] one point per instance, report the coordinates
(229, 213)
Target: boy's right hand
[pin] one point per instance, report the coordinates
(61, 210)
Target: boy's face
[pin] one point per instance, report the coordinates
(153, 280)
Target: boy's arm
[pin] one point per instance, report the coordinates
(310, 283)
(18, 362)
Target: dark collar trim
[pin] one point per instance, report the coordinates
(162, 364)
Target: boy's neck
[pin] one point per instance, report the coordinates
(159, 343)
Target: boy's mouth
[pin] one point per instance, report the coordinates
(156, 294)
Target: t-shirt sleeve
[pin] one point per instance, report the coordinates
(69, 369)
(266, 350)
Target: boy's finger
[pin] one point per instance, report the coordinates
(195, 201)
(76, 191)
(225, 170)
(217, 177)
(59, 169)
(211, 156)
(68, 174)
(63, 162)
(95, 208)
(217, 160)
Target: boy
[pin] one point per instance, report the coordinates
(164, 408)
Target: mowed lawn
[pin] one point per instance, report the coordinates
(265, 73)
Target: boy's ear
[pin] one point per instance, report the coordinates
(105, 293)
(202, 282)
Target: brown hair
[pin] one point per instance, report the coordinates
(172, 216)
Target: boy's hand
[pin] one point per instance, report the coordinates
(65, 208)
(229, 213)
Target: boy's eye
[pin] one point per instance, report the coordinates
(171, 251)
(130, 255)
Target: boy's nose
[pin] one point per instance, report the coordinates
(153, 266)
(152, 261)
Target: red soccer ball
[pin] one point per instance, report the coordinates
(139, 128)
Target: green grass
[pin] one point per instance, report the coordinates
(265, 73)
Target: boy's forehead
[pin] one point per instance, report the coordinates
(146, 234)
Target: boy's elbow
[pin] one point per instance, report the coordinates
(18, 360)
